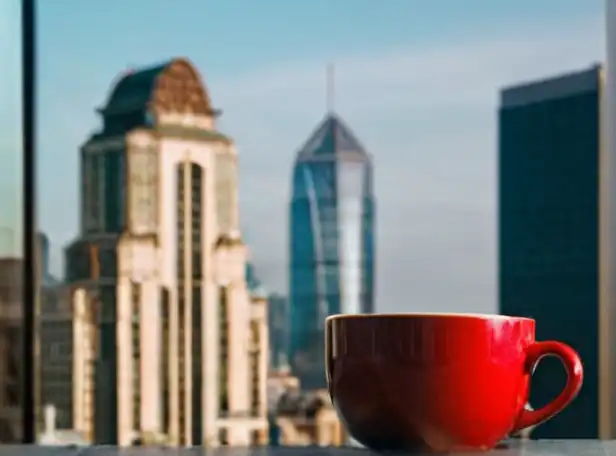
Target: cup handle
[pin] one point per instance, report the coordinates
(575, 377)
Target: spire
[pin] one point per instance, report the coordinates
(330, 88)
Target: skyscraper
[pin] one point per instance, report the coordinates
(555, 198)
(179, 345)
(332, 223)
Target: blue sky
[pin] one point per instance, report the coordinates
(10, 130)
(417, 81)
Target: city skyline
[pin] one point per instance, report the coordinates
(401, 91)
(418, 83)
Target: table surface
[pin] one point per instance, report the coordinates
(512, 448)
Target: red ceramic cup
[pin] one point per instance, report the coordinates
(438, 382)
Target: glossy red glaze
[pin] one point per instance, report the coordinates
(438, 382)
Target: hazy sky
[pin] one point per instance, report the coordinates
(10, 129)
(416, 80)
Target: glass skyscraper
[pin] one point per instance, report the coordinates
(553, 174)
(332, 234)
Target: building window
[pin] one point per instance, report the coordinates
(182, 362)
(196, 213)
(92, 184)
(99, 199)
(197, 361)
(197, 184)
(108, 262)
(255, 358)
(180, 216)
(136, 326)
(106, 398)
(190, 185)
(223, 324)
(181, 297)
(114, 183)
(165, 367)
(78, 265)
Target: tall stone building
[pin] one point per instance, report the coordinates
(179, 346)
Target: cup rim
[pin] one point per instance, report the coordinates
(443, 315)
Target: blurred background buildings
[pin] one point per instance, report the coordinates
(331, 241)
(551, 202)
(160, 330)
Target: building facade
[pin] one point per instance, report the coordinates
(308, 418)
(332, 223)
(11, 317)
(159, 270)
(553, 204)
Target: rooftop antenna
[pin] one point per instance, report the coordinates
(330, 88)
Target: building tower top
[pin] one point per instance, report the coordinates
(172, 86)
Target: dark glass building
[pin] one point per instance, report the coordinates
(550, 153)
(332, 218)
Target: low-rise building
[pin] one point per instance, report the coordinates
(308, 418)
